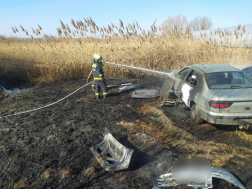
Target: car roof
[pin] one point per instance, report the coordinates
(246, 67)
(211, 68)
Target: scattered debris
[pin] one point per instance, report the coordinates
(129, 87)
(110, 154)
(120, 84)
(145, 93)
(167, 94)
(218, 172)
(167, 86)
(197, 173)
(244, 123)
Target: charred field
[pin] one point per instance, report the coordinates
(50, 148)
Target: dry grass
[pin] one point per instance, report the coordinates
(64, 174)
(204, 141)
(49, 59)
(122, 178)
(21, 184)
(89, 172)
(46, 174)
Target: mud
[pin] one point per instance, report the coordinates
(50, 148)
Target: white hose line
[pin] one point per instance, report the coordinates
(137, 68)
(89, 75)
(33, 110)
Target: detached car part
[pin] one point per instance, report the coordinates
(129, 87)
(120, 84)
(167, 86)
(145, 93)
(111, 154)
(195, 173)
(167, 92)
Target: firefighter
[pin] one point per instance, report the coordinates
(98, 75)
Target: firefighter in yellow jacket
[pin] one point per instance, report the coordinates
(98, 75)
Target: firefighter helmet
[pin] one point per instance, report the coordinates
(97, 57)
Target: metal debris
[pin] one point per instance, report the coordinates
(244, 123)
(120, 84)
(129, 87)
(145, 93)
(194, 173)
(111, 154)
(167, 92)
(221, 173)
(167, 86)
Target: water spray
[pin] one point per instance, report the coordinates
(139, 68)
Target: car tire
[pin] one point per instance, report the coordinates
(195, 115)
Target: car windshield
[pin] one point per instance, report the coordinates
(228, 80)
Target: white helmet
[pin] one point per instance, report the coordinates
(97, 57)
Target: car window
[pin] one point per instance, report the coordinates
(183, 73)
(192, 78)
(245, 70)
(248, 71)
(228, 80)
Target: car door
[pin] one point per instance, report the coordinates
(189, 87)
(180, 80)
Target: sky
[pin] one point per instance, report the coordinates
(47, 13)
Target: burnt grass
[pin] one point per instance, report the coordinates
(49, 148)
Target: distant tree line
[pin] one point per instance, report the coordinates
(179, 24)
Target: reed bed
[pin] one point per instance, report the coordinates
(44, 58)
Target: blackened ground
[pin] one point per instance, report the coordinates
(50, 148)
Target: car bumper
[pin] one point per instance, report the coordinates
(225, 118)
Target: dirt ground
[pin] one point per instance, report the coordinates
(50, 148)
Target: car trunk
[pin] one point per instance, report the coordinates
(241, 99)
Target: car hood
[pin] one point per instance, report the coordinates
(243, 94)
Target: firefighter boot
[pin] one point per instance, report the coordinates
(105, 94)
(97, 95)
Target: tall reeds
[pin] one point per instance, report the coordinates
(69, 55)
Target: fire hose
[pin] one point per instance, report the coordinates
(36, 109)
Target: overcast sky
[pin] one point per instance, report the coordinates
(29, 13)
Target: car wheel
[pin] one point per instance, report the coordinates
(195, 115)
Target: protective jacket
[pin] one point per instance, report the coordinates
(97, 70)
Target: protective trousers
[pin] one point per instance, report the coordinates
(93, 85)
(101, 85)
